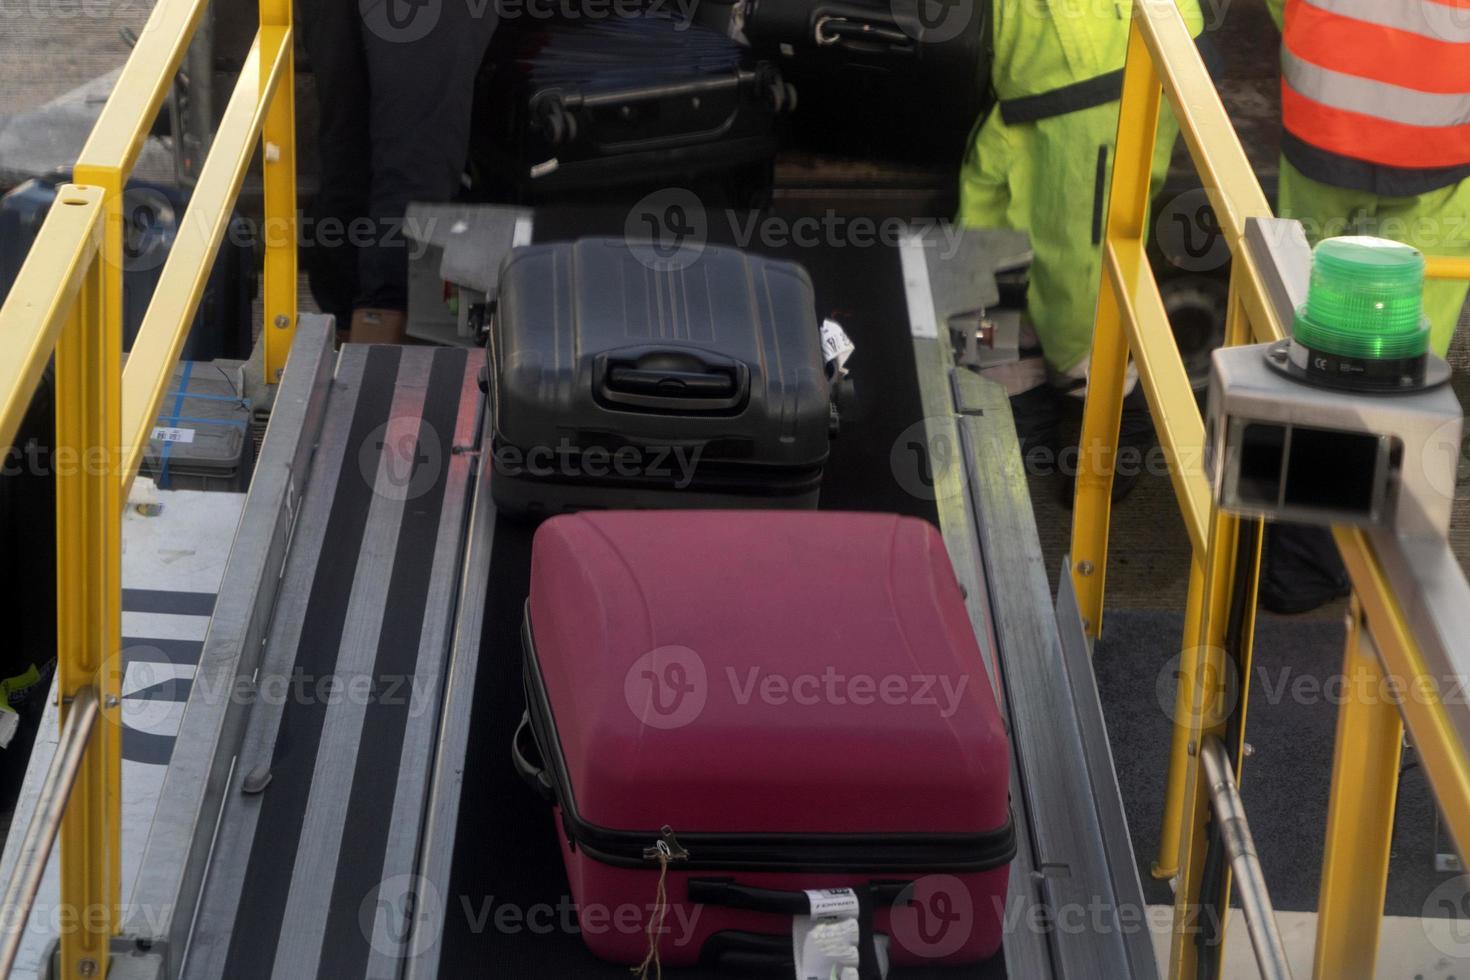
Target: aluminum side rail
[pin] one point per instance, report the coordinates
(1075, 866)
(171, 875)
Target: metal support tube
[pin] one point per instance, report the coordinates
(35, 850)
(1250, 881)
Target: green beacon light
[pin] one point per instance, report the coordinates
(1363, 325)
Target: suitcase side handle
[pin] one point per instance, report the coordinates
(730, 894)
(523, 750)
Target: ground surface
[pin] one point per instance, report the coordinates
(48, 47)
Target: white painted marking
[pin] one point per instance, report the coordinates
(916, 285)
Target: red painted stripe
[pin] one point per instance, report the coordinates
(1363, 137)
(1385, 54)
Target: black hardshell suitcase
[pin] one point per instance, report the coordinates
(585, 105)
(624, 381)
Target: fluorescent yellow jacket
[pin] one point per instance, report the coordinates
(1042, 160)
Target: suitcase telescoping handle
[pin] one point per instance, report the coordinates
(671, 379)
(526, 756)
(730, 894)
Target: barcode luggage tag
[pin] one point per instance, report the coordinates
(837, 348)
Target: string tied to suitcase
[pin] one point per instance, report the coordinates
(666, 849)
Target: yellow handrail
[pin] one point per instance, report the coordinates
(1164, 62)
(68, 299)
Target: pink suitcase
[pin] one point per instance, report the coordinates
(754, 704)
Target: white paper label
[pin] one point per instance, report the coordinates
(167, 434)
(836, 346)
(831, 902)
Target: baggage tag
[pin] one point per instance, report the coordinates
(833, 903)
(825, 943)
(837, 348)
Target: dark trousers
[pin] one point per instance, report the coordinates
(394, 80)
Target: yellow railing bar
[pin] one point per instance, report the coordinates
(1441, 751)
(41, 298)
(1444, 267)
(278, 146)
(122, 127)
(181, 283)
(1365, 777)
(1162, 58)
(1127, 221)
(89, 502)
(68, 297)
(1166, 861)
(1164, 380)
(58, 302)
(1226, 172)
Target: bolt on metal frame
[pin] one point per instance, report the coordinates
(68, 299)
(1219, 620)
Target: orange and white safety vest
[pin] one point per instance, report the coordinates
(1376, 93)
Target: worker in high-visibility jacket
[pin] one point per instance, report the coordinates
(1375, 107)
(1376, 140)
(1041, 162)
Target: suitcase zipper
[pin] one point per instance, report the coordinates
(810, 853)
(715, 851)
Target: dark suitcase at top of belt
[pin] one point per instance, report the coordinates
(861, 62)
(623, 378)
(588, 103)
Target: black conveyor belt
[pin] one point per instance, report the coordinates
(507, 854)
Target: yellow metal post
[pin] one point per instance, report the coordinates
(89, 596)
(1441, 751)
(1215, 682)
(1101, 418)
(1218, 684)
(41, 298)
(1447, 267)
(1166, 864)
(1360, 814)
(68, 295)
(202, 227)
(278, 150)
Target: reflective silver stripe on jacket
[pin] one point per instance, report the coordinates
(1392, 103)
(1436, 21)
